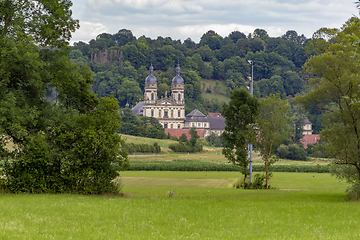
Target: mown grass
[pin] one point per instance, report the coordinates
(315, 210)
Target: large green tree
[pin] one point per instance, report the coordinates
(273, 127)
(70, 144)
(240, 113)
(335, 85)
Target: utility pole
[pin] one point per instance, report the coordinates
(251, 62)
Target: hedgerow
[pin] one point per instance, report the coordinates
(191, 165)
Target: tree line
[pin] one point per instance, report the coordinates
(120, 64)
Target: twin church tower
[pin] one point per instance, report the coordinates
(170, 111)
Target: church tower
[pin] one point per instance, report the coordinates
(150, 95)
(177, 88)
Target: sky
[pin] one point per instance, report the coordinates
(181, 19)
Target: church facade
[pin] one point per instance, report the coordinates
(170, 110)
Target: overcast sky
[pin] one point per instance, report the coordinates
(180, 19)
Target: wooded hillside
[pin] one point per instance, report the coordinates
(215, 65)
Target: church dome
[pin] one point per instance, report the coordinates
(178, 79)
(151, 78)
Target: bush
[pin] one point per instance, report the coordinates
(143, 148)
(292, 152)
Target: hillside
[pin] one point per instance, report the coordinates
(120, 63)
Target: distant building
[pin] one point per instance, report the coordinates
(170, 110)
(307, 129)
(310, 139)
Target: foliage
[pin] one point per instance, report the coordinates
(143, 148)
(292, 152)
(73, 154)
(273, 127)
(193, 165)
(140, 125)
(64, 146)
(191, 146)
(120, 57)
(335, 85)
(215, 140)
(239, 116)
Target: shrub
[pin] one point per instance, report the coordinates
(292, 152)
(143, 148)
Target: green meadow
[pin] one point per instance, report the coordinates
(203, 206)
(189, 205)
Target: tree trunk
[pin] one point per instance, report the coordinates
(267, 173)
(245, 182)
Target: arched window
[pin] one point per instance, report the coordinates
(172, 113)
(152, 113)
(152, 96)
(172, 126)
(178, 113)
(159, 113)
(178, 126)
(179, 96)
(166, 113)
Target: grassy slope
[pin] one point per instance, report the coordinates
(221, 96)
(317, 211)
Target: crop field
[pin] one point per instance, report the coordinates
(189, 205)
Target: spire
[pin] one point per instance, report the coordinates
(151, 69)
(178, 70)
(151, 78)
(177, 79)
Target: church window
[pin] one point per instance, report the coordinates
(172, 113)
(179, 96)
(204, 124)
(178, 126)
(159, 113)
(152, 113)
(152, 96)
(199, 124)
(178, 113)
(172, 126)
(166, 113)
(193, 124)
(165, 125)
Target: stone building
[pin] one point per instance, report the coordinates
(170, 110)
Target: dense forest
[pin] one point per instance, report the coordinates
(120, 64)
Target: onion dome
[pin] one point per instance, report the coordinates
(178, 79)
(151, 78)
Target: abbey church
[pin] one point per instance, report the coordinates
(170, 110)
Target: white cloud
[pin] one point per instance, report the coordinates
(180, 19)
(88, 30)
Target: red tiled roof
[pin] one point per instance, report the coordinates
(309, 139)
(214, 115)
(178, 132)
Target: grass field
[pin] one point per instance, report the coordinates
(210, 154)
(303, 206)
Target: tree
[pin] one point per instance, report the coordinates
(183, 138)
(273, 127)
(335, 85)
(260, 33)
(239, 115)
(129, 92)
(68, 145)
